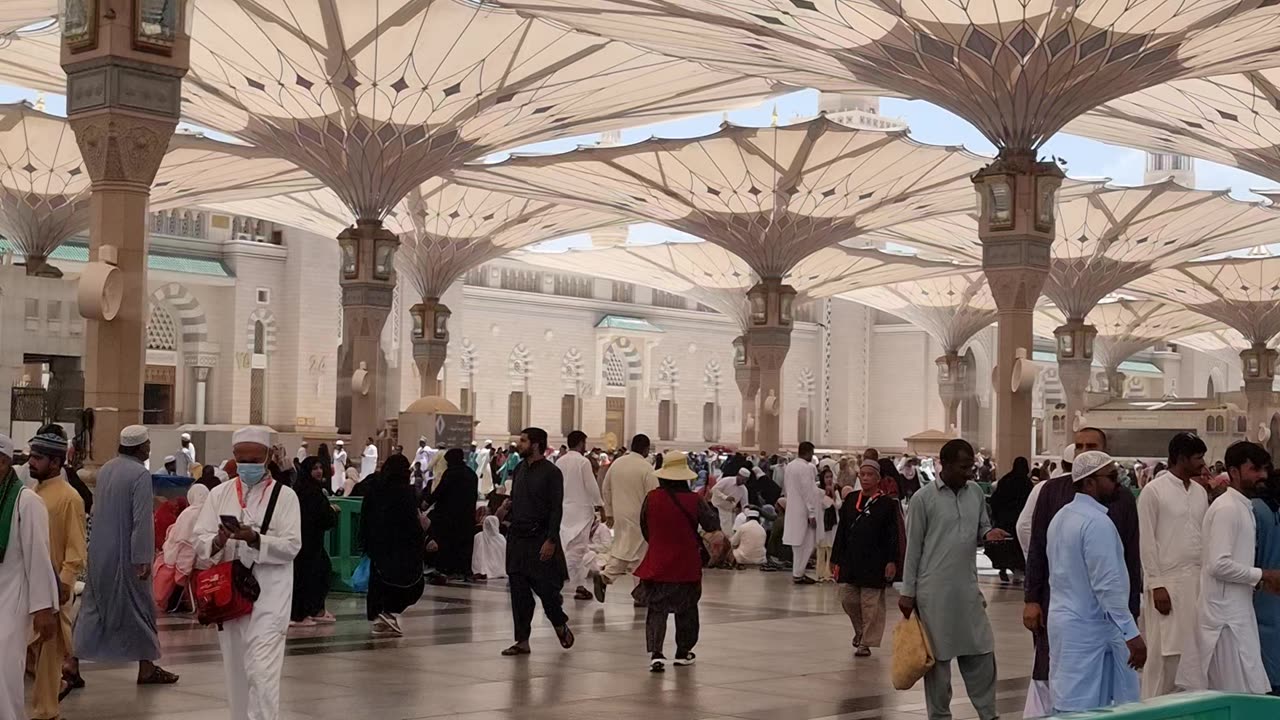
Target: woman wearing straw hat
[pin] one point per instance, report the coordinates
(671, 573)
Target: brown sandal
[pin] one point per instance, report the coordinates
(515, 650)
(566, 636)
(158, 676)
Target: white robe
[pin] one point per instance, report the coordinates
(484, 470)
(1170, 515)
(253, 646)
(190, 452)
(423, 458)
(728, 497)
(27, 585)
(369, 461)
(301, 454)
(1039, 702)
(804, 502)
(1227, 632)
(489, 553)
(182, 463)
(581, 498)
(339, 467)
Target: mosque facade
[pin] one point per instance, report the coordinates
(245, 326)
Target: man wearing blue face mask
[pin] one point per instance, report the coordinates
(256, 521)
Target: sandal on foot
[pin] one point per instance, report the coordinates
(566, 636)
(158, 676)
(515, 650)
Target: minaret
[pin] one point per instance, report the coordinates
(1164, 166)
(861, 112)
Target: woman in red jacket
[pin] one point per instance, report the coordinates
(671, 573)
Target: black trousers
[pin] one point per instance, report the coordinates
(547, 586)
(687, 626)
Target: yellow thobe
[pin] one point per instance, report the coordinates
(68, 553)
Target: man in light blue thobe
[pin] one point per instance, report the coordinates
(1095, 650)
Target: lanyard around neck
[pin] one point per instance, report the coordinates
(240, 492)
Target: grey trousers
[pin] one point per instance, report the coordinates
(979, 673)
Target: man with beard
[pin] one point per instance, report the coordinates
(1046, 499)
(1094, 644)
(66, 550)
(535, 559)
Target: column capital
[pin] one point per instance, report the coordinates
(1016, 288)
(1259, 365)
(367, 274)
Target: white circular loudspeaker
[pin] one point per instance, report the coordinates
(361, 383)
(100, 291)
(1023, 376)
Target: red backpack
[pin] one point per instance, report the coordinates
(228, 590)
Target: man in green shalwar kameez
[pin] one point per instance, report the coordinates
(947, 519)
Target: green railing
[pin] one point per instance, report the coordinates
(343, 543)
(1190, 706)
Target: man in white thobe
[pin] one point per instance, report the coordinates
(302, 452)
(804, 512)
(186, 458)
(1227, 631)
(729, 496)
(1171, 511)
(581, 498)
(424, 455)
(369, 460)
(484, 467)
(340, 461)
(28, 586)
(626, 485)
(253, 645)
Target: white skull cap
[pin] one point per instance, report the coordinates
(1088, 463)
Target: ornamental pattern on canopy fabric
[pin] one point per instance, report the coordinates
(375, 98)
(1016, 70)
(952, 309)
(772, 195)
(1110, 237)
(1241, 293)
(445, 229)
(1128, 326)
(1228, 119)
(715, 277)
(44, 186)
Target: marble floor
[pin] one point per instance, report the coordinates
(768, 651)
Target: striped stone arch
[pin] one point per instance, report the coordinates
(191, 318)
(630, 355)
(268, 319)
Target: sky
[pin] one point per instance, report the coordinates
(928, 123)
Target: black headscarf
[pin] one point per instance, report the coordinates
(1011, 495)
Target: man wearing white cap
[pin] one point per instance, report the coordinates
(186, 456)
(340, 459)
(581, 498)
(302, 452)
(117, 621)
(1094, 647)
(28, 586)
(265, 537)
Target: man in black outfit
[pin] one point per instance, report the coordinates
(535, 560)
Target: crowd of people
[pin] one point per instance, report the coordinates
(1196, 556)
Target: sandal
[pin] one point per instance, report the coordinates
(64, 690)
(515, 650)
(73, 680)
(566, 636)
(158, 676)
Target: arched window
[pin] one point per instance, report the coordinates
(1220, 424)
(1208, 422)
(259, 338)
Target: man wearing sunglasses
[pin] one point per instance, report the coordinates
(1095, 650)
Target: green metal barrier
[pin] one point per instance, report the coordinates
(1190, 706)
(343, 543)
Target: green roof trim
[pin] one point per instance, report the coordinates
(1128, 366)
(187, 265)
(622, 322)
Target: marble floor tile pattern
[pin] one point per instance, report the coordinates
(768, 651)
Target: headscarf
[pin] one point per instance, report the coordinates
(489, 555)
(181, 536)
(454, 457)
